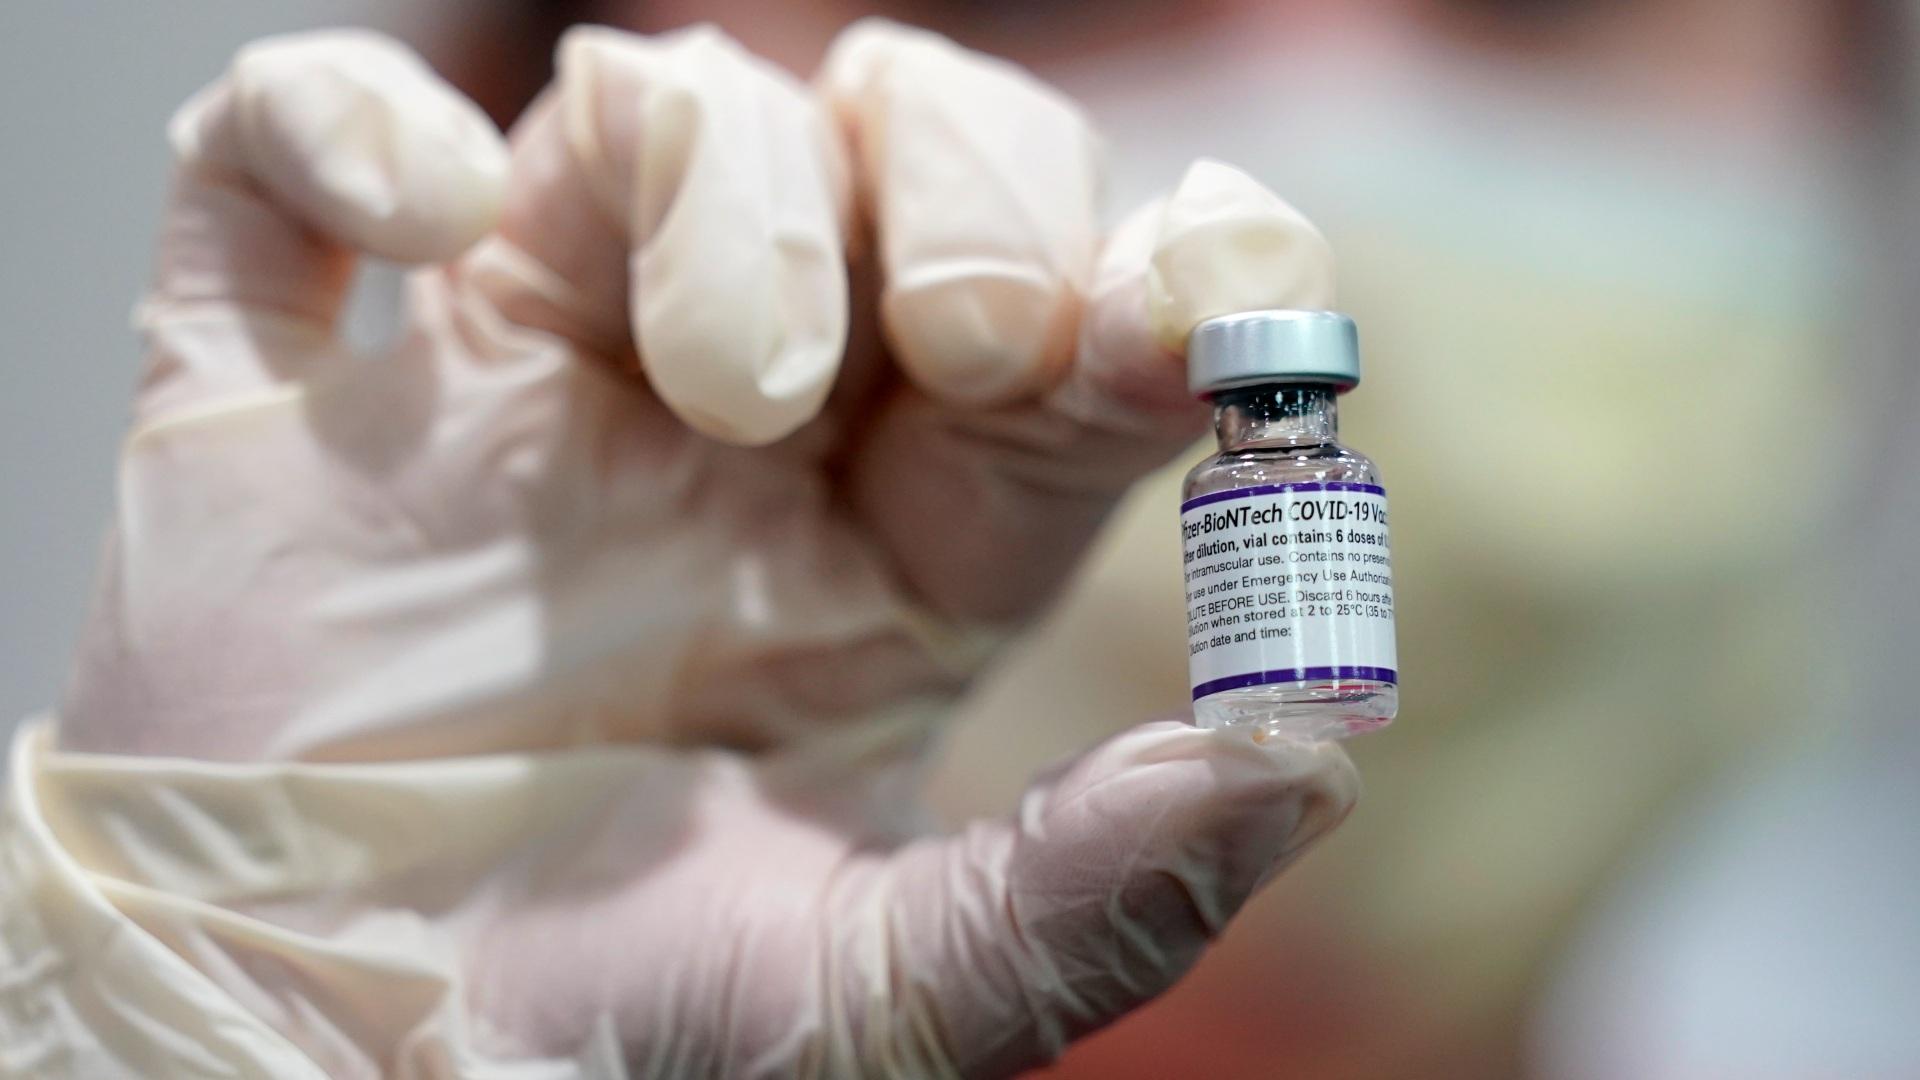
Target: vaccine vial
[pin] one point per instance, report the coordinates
(1284, 536)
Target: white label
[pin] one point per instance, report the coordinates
(1288, 583)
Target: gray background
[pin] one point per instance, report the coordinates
(88, 88)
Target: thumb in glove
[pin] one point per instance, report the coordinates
(986, 952)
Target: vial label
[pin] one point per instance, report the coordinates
(1288, 583)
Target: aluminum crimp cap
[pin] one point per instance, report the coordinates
(1255, 347)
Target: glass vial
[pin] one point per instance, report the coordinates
(1284, 537)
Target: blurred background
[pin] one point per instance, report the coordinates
(1635, 282)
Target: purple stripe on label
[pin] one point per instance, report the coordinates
(1276, 489)
(1286, 675)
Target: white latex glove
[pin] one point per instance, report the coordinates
(645, 473)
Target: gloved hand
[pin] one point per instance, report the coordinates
(732, 427)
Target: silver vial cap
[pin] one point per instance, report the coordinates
(1255, 347)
